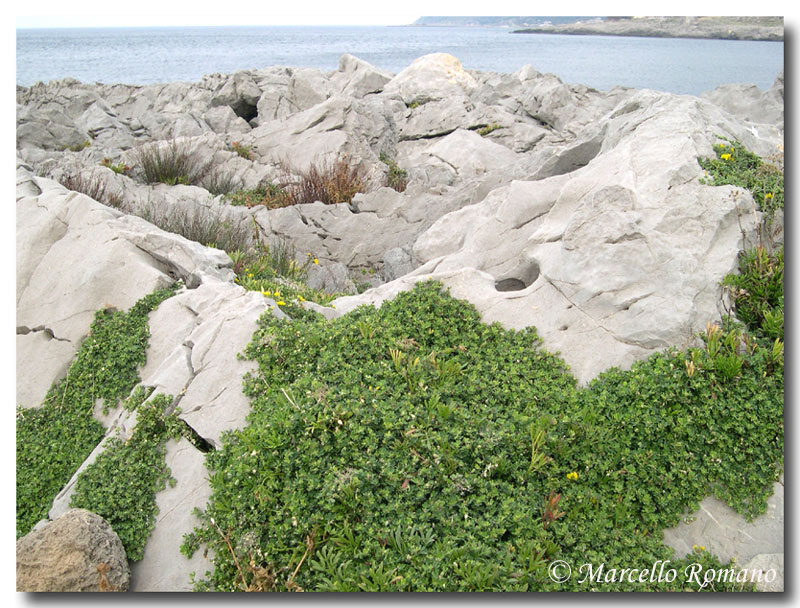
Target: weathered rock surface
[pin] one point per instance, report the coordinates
(164, 567)
(622, 255)
(754, 545)
(77, 552)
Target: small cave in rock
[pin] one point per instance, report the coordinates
(245, 110)
(521, 277)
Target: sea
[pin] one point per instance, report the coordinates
(146, 55)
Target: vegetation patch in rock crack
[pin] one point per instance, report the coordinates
(55, 439)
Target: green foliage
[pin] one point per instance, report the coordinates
(171, 164)
(757, 291)
(271, 195)
(242, 150)
(484, 131)
(121, 484)
(737, 166)
(119, 168)
(92, 186)
(53, 441)
(78, 147)
(415, 448)
(276, 273)
(396, 178)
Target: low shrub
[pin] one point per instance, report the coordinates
(414, 448)
(171, 163)
(218, 182)
(330, 181)
(119, 168)
(737, 166)
(275, 272)
(396, 178)
(757, 291)
(210, 226)
(242, 150)
(271, 195)
(93, 186)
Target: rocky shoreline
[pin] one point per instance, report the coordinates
(719, 28)
(579, 212)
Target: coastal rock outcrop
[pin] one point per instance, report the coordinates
(542, 203)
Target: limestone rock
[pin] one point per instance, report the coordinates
(357, 78)
(163, 567)
(77, 552)
(767, 571)
(431, 77)
(212, 401)
(726, 534)
(331, 278)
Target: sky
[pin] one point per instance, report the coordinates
(105, 13)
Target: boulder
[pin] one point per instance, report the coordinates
(431, 77)
(77, 552)
(748, 102)
(357, 78)
(330, 278)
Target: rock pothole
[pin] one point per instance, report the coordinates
(522, 277)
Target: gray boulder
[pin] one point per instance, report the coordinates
(357, 78)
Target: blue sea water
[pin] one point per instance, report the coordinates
(166, 54)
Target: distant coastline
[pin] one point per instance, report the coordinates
(497, 22)
(721, 28)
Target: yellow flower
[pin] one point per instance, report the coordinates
(249, 275)
(725, 156)
(301, 298)
(573, 476)
(280, 303)
(768, 195)
(316, 261)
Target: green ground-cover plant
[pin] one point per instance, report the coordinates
(484, 131)
(269, 194)
(757, 291)
(53, 440)
(275, 272)
(243, 150)
(413, 447)
(737, 166)
(121, 484)
(118, 168)
(396, 178)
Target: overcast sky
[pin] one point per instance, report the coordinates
(110, 13)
